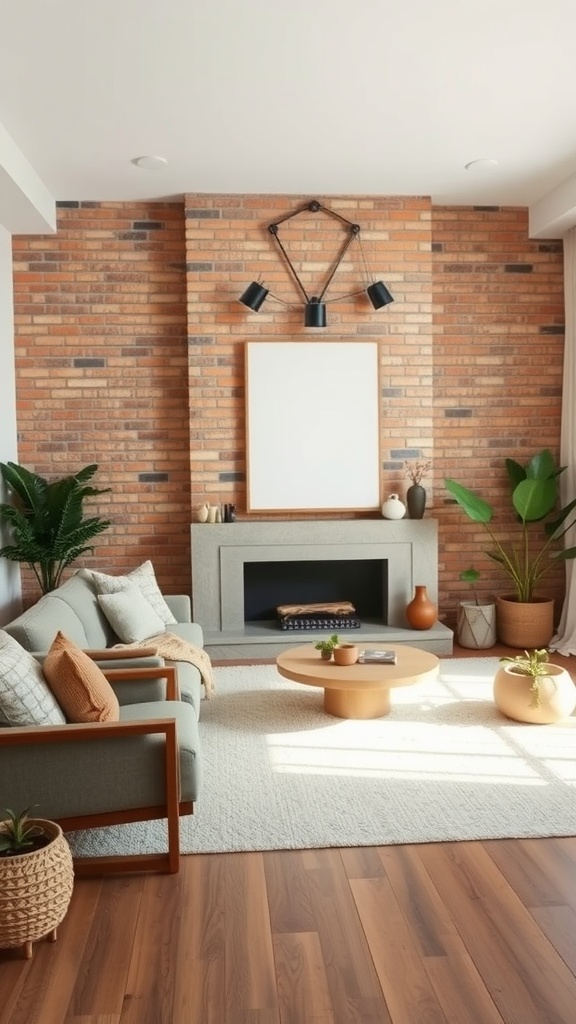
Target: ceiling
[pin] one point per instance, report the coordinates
(312, 97)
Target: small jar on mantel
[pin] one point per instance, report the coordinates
(421, 612)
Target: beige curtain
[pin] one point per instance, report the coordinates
(565, 640)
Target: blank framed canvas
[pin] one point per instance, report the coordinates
(312, 426)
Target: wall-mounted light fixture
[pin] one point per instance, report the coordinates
(314, 305)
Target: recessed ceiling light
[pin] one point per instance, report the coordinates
(150, 163)
(484, 164)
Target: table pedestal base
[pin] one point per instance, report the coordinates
(357, 703)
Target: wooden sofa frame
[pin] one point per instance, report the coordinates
(171, 809)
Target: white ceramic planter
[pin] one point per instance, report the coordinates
(476, 625)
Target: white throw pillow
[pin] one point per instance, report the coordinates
(25, 697)
(132, 618)
(145, 578)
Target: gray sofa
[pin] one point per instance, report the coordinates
(144, 766)
(73, 608)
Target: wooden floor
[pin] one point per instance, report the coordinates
(446, 933)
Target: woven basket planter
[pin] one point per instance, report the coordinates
(35, 890)
(525, 625)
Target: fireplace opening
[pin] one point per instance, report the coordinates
(363, 582)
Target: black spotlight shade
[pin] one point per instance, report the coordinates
(379, 295)
(315, 314)
(254, 296)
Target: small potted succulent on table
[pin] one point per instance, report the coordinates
(326, 647)
(476, 622)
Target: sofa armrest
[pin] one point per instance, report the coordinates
(180, 605)
(138, 675)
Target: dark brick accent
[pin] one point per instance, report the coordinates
(458, 413)
(152, 478)
(406, 453)
(518, 268)
(69, 204)
(229, 478)
(202, 214)
(148, 225)
(550, 246)
(132, 236)
(201, 339)
(394, 466)
(552, 329)
(88, 361)
(487, 209)
(199, 266)
(392, 392)
(456, 268)
(437, 247)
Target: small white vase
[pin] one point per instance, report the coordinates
(393, 508)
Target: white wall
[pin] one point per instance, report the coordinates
(9, 571)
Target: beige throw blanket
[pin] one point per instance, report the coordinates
(175, 648)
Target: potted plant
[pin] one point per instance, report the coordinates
(47, 522)
(326, 647)
(530, 688)
(476, 622)
(416, 470)
(36, 880)
(524, 617)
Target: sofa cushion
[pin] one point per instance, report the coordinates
(132, 618)
(81, 688)
(25, 697)
(144, 578)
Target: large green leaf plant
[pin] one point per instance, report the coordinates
(533, 494)
(46, 522)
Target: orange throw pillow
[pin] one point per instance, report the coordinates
(79, 685)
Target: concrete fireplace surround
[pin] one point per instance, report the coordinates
(219, 552)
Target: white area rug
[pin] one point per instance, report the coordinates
(444, 765)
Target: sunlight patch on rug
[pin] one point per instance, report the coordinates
(279, 773)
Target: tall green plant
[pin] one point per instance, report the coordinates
(46, 521)
(533, 493)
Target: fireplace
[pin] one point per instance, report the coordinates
(361, 581)
(391, 556)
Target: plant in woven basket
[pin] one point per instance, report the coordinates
(36, 880)
(20, 834)
(533, 663)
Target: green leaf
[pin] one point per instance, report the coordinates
(474, 506)
(535, 498)
(470, 575)
(541, 466)
(516, 472)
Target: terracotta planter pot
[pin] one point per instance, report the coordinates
(514, 698)
(346, 654)
(525, 624)
(476, 625)
(35, 890)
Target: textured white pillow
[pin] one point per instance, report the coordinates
(131, 616)
(145, 578)
(25, 697)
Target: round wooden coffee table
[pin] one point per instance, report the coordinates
(357, 691)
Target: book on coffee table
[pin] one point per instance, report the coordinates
(371, 657)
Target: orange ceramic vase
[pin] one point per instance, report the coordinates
(421, 612)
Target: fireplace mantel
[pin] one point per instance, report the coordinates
(219, 552)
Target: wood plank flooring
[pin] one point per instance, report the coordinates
(444, 933)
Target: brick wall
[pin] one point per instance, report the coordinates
(498, 350)
(471, 353)
(101, 361)
(228, 245)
